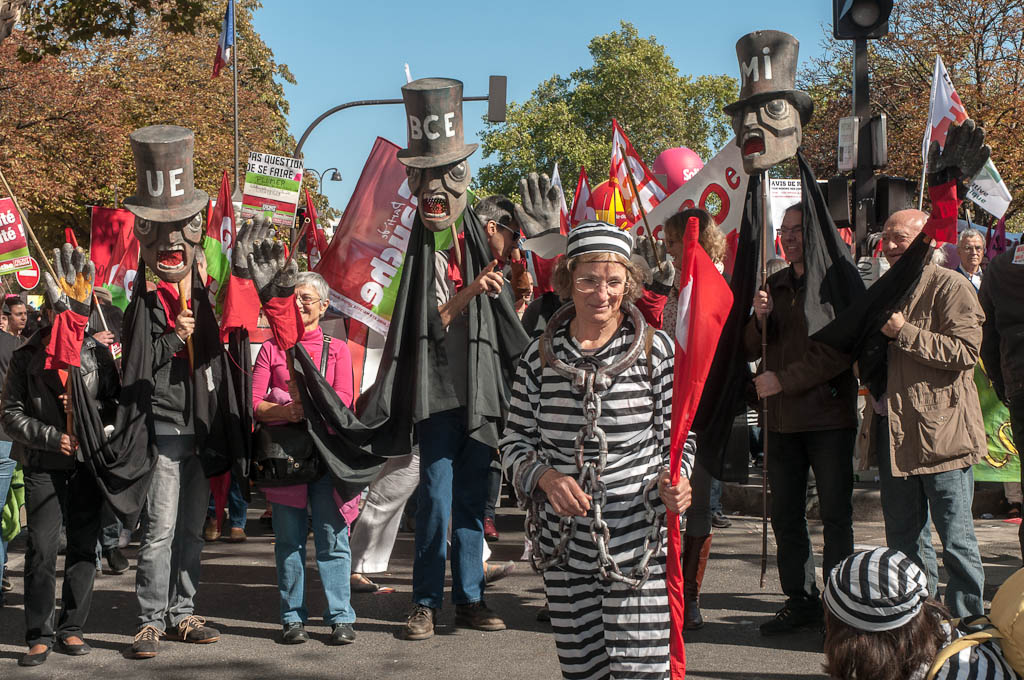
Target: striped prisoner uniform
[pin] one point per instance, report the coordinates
(979, 662)
(602, 630)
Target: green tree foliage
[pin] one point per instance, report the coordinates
(568, 120)
(981, 43)
(53, 26)
(65, 119)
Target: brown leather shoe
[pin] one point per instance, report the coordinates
(490, 530)
(237, 535)
(193, 629)
(420, 624)
(211, 530)
(476, 615)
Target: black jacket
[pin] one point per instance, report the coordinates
(32, 414)
(8, 343)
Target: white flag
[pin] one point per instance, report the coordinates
(987, 189)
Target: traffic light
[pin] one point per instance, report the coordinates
(852, 19)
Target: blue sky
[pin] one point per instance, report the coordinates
(341, 51)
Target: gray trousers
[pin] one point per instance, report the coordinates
(373, 536)
(172, 535)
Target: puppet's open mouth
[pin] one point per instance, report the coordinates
(170, 260)
(435, 207)
(753, 145)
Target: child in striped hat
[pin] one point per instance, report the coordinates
(881, 624)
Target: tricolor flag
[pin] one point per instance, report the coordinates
(582, 205)
(226, 43)
(114, 250)
(237, 301)
(649, 191)
(987, 189)
(704, 303)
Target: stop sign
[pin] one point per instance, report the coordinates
(28, 278)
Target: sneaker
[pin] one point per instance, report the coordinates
(720, 521)
(193, 629)
(116, 561)
(342, 634)
(5, 584)
(490, 530)
(791, 619)
(476, 615)
(146, 644)
(294, 634)
(420, 624)
(236, 535)
(211, 530)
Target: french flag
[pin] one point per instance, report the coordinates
(226, 43)
(704, 303)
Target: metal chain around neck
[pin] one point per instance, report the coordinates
(589, 378)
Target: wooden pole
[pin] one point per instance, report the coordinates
(636, 194)
(764, 365)
(183, 296)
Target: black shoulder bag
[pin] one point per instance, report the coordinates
(284, 454)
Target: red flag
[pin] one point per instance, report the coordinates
(704, 302)
(941, 224)
(316, 240)
(111, 232)
(69, 236)
(64, 348)
(649, 191)
(997, 243)
(582, 206)
(241, 304)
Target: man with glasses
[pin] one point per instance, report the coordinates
(812, 421)
(971, 248)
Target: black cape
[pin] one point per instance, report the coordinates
(123, 462)
(832, 283)
(858, 330)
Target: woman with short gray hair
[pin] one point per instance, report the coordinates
(272, 403)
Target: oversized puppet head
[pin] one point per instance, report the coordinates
(436, 157)
(167, 206)
(769, 115)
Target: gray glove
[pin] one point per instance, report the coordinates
(75, 276)
(963, 156)
(541, 205)
(258, 228)
(272, 273)
(660, 268)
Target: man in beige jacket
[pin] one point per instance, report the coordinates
(927, 431)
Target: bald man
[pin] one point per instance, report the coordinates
(927, 431)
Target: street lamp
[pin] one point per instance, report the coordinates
(335, 177)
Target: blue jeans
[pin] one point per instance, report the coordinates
(172, 534)
(453, 485)
(7, 465)
(907, 503)
(237, 507)
(333, 557)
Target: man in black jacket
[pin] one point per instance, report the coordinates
(1002, 346)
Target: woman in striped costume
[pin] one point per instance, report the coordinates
(597, 513)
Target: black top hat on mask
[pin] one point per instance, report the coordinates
(768, 70)
(433, 112)
(166, 189)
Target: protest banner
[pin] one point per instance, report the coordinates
(362, 264)
(782, 193)
(13, 242)
(272, 186)
(1002, 460)
(719, 188)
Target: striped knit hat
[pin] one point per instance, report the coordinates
(599, 237)
(876, 590)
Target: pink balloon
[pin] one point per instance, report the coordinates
(678, 165)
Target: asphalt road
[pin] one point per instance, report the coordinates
(238, 595)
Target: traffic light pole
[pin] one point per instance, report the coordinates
(864, 174)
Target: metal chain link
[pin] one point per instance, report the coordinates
(587, 377)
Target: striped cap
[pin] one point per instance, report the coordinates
(876, 590)
(599, 237)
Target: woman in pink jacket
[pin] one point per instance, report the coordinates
(331, 517)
